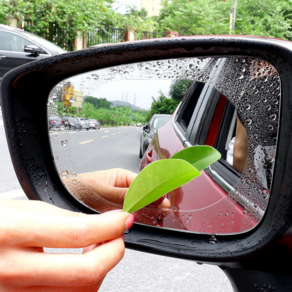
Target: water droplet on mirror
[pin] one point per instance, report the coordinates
(213, 239)
(95, 76)
(247, 106)
(56, 157)
(248, 122)
(270, 127)
(64, 143)
(240, 76)
(64, 173)
(273, 117)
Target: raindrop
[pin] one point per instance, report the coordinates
(56, 157)
(268, 107)
(273, 117)
(247, 106)
(244, 211)
(64, 143)
(88, 78)
(64, 173)
(248, 122)
(212, 239)
(270, 127)
(95, 76)
(240, 76)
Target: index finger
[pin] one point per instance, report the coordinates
(28, 229)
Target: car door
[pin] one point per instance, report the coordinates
(12, 51)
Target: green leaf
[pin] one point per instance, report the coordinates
(200, 156)
(157, 179)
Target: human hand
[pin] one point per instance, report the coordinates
(105, 190)
(28, 226)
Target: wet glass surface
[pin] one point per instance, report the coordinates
(230, 103)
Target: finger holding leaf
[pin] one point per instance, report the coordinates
(163, 176)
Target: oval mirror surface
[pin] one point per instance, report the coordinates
(107, 125)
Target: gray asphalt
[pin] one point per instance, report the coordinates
(137, 271)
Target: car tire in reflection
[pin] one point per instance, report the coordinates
(141, 151)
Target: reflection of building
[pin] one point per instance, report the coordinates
(152, 6)
(67, 93)
(78, 99)
(71, 97)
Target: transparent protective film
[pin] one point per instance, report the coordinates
(107, 125)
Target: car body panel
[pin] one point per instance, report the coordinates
(11, 56)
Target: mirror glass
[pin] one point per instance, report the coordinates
(129, 116)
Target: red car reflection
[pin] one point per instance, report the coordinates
(210, 203)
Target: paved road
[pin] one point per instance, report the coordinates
(137, 272)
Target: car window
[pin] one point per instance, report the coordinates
(13, 42)
(159, 122)
(192, 98)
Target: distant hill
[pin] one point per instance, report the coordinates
(124, 103)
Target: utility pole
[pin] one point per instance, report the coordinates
(232, 17)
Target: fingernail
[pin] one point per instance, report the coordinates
(130, 221)
(118, 210)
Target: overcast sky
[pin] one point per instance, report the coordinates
(121, 6)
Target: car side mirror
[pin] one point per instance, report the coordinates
(33, 50)
(252, 74)
(146, 127)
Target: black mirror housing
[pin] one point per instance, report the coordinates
(31, 152)
(33, 50)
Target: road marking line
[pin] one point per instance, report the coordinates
(12, 194)
(113, 133)
(103, 136)
(106, 131)
(86, 142)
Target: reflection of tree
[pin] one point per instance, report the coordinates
(98, 102)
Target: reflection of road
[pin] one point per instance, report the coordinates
(155, 273)
(97, 149)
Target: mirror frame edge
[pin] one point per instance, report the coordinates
(18, 107)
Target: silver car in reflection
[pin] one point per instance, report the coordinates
(84, 123)
(94, 124)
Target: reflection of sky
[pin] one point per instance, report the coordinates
(137, 83)
(126, 90)
(119, 6)
(138, 92)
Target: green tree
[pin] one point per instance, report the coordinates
(137, 21)
(195, 17)
(264, 18)
(253, 17)
(162, 105)
(98, 102)
(178, 88)
(72, 16)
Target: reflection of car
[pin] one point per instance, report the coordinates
(148, 131)
(55, 122)
(205, 117)
(18, 47)
(139, 124)
(94, 124)
(84, 123)
(72, 123)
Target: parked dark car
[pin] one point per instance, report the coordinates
(149, 130)
(18, 47)
(72, 123)
(55, 122)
